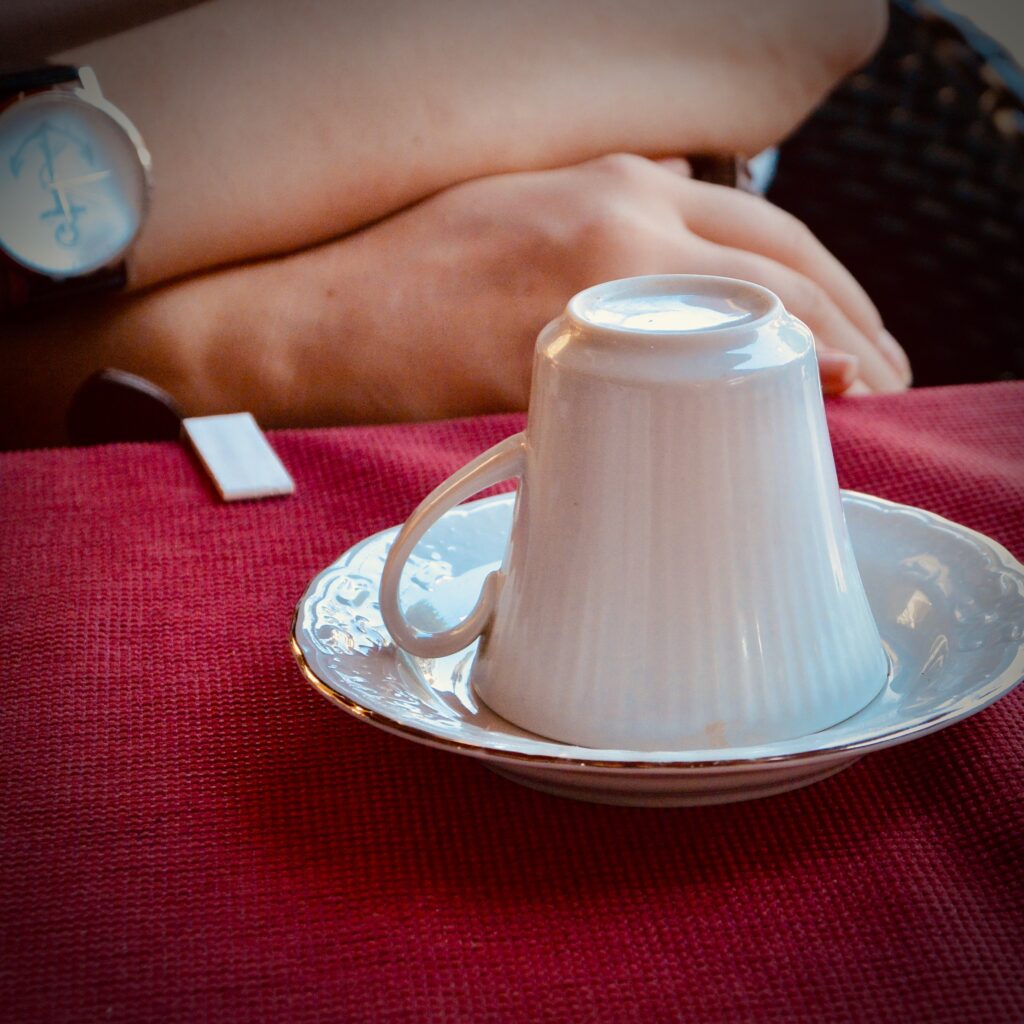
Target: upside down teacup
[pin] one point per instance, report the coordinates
(679, 574)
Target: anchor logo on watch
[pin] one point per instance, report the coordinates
(51, 144)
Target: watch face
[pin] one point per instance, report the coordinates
(72, 185)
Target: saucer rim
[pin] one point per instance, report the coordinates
(634, 761)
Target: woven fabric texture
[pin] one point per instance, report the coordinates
(189, 833)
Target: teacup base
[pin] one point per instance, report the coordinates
(708, 740)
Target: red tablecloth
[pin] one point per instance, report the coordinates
(188, 832)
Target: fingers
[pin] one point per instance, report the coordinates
(897, 356)
(838, 370)
(805, 299)
(743, 221)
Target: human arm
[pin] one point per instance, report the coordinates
(433, 312)
(277, 126)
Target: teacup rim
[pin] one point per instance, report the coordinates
(651, 284)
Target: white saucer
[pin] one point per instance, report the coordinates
(949, 604)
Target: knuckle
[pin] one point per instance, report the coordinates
(584, 229)
(811, 302)
(601, 230)
(797, 238)
(870, 21)
(608, 242)
(858, 28)
(795, 242)
(623, 166)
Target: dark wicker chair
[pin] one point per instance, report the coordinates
(912, 173)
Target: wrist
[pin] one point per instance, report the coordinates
(283, 339)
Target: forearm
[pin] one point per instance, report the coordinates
(277, 125)
(255, 338)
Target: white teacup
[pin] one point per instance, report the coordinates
(679, 574)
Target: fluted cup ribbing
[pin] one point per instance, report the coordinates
(679, 574)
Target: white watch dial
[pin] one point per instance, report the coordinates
(72, 185)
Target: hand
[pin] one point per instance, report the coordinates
(486, 264)
(434, 311)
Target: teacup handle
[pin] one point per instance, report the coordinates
(505, 460)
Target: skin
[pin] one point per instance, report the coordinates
(433, 312)
(366, 211)
(276, 126)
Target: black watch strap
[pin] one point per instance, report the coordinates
(22, 291)
(32, 79)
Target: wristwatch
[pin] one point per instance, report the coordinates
(74, 187)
